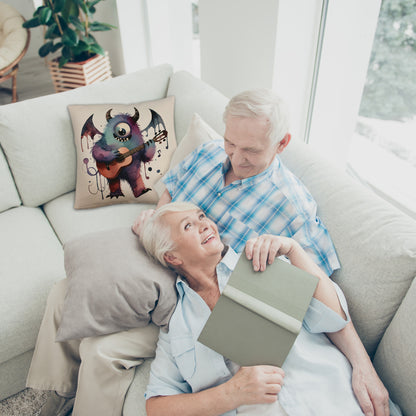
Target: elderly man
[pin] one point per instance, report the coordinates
(241, 185)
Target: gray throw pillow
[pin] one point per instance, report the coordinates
(113, 285)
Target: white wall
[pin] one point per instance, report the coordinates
(132, 46)
(170, 28)
(238, 42)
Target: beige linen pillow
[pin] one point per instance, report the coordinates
(122, 150)
(113, 285)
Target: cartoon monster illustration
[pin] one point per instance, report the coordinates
(121, 149)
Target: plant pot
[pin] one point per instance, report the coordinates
(77, 74)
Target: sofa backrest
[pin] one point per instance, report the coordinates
(9, 196)
(195, 96)
(376, 245)
(36, 135)
(375, 242)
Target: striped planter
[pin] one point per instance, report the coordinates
(77, 74)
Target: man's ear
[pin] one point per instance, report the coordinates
(283, 143)
(170, 258)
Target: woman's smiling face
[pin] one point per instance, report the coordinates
(195, 236)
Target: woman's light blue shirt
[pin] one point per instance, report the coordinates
(317, 375)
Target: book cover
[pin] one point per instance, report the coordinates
(259, 314)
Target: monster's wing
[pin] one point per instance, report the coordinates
(156, 123)
(89, 130)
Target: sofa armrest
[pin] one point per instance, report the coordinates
(394, 358)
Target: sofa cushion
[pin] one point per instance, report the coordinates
(198, 133)
(41, 151)
(145, 134)
(113, 286)
(70, 223)
(31, 261)
(9, 196)
(394, 359)
(374, 241)
(195, 96)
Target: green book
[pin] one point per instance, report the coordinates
(259, 314)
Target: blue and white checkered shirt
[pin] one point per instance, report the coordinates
(273, 202)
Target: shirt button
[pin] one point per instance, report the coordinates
(219, 194)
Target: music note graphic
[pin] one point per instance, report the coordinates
(100, 182)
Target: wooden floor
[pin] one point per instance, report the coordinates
(33, 80)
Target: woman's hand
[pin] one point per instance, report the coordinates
(264, 249)
(255, 385)
(141, 219)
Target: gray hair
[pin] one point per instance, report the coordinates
(156, 236)
(261, 103)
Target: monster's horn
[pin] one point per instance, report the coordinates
(108, 115)
(136, 115)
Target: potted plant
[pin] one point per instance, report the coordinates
(68, 33)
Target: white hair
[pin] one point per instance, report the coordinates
(156, 235)
(261, 103)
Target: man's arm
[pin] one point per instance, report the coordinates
(368, 388)
(165, 198)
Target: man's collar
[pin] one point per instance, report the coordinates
(252, 179)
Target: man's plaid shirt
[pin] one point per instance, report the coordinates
(273, 202)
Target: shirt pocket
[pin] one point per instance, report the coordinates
(183, 352)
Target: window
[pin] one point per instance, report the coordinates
(383, 147)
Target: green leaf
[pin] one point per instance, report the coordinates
(45, 14)
(74, 20)
(70, 9)
(100, 27)
(58, 5)
(89, 40)
(62, 61)
(57, 46)
(34, 22)
(82, 47)
(66, 52)
(52, 32)
(70, 37)
(96, 48)
(45, 49)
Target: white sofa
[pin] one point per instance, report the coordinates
(376, 244)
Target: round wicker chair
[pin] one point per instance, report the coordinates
(14, 42)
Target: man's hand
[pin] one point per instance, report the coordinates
(370, 392)
(255, 385)
(141, 219)
(264, 249)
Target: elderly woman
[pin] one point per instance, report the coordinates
(188, 378)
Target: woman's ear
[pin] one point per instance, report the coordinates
(283, 143)
(170, 258)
